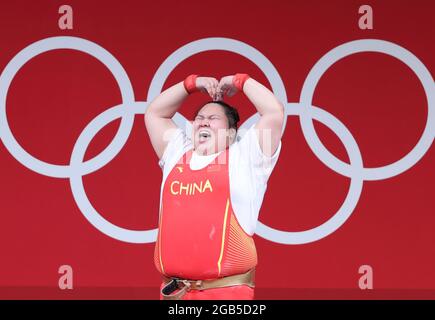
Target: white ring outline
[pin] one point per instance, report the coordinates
(358, 46)
(79, 44)
(77, 169)
(222, 44)
(76, 181)
(353, 195)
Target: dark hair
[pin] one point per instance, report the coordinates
(231, 113)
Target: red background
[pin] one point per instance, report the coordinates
(378, 98)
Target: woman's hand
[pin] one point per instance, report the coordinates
(226, 87)
(207, 85)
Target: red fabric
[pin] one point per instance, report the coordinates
(199, 236)
(239, 80)
(192, 218)
(190, 83)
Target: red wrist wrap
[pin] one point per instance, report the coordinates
(239, 80)
(190, 83)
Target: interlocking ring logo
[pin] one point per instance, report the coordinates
(304, 109)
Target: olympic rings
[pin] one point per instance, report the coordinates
(304, 109)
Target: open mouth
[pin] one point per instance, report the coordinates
(204, 135)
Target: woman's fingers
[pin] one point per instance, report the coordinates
(217, 89)
(231, 92)
(227, 80)
(213, 88)
(210, 86)
(226, 86)
(218, 94)
(210, 89)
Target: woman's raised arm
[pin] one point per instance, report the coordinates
(271, 110)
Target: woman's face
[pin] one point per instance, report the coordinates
(210, 130)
